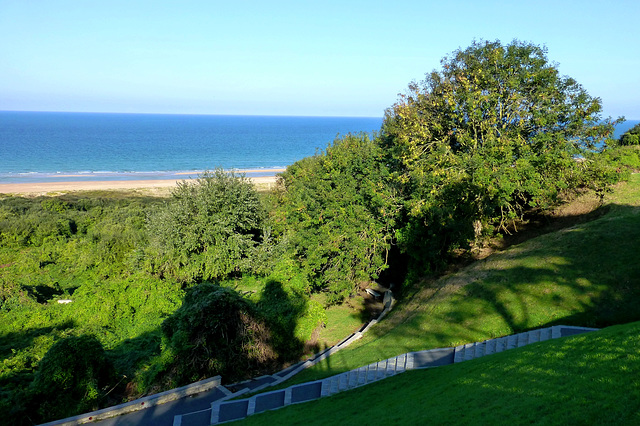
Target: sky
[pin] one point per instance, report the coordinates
(314, 58)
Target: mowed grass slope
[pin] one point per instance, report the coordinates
(592, 378)
(587, 275)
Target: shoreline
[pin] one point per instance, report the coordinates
(153, 185)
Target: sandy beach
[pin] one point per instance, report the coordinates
(149, 185)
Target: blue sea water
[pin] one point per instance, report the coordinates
(56, 146)
(623, 127)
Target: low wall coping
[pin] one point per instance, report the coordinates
(141, 403)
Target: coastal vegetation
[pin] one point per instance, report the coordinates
(580, 269)
(107, 296)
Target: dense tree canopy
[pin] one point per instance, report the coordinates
(338, 211)
(631, 136)
(496, 131)
(209, 229)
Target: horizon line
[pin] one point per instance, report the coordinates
(197, 114)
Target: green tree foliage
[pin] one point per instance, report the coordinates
(209, 229)
(90, 261)
(497, 131)
(631, 136)
(72, 377)
(216, 331)
(337, 211)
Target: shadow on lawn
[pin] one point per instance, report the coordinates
(585, 275)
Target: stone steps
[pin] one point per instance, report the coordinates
(471, 351)
(222, 411)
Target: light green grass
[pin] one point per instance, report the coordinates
(587, 379)
(342, 320)
(587, 275)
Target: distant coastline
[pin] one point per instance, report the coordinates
(97, 148)
(32, 178)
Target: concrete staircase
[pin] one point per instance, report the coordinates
(223, 410)
(479, 349)
(218, 406)
(367, 374)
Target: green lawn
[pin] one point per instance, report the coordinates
(592, 378)
(586, 275)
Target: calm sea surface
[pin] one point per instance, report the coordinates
(48, 146)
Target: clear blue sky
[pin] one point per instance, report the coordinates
(341, 58)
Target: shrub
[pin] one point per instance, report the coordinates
(631, 136)
(216, 331)
(71, 378)
(338, 210)
(209, 228)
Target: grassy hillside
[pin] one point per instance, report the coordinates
(586, 379)
(587, 275)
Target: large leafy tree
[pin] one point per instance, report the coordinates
(209, 229)
(338, 211)
(496, 131)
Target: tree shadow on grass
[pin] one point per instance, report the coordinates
(584, 275)
(16, 341)
(587, 275)
(217, 332)
(283, 311)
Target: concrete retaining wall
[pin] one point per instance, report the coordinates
(223, 411)
(140, 404)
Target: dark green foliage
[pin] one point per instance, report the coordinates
(216, 331)
(291, 316)
(496, 132)
(631, 136)
(72, 377)
(338, 210)
(90, 260)
(209, 229)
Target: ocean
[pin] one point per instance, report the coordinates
(60, 146)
